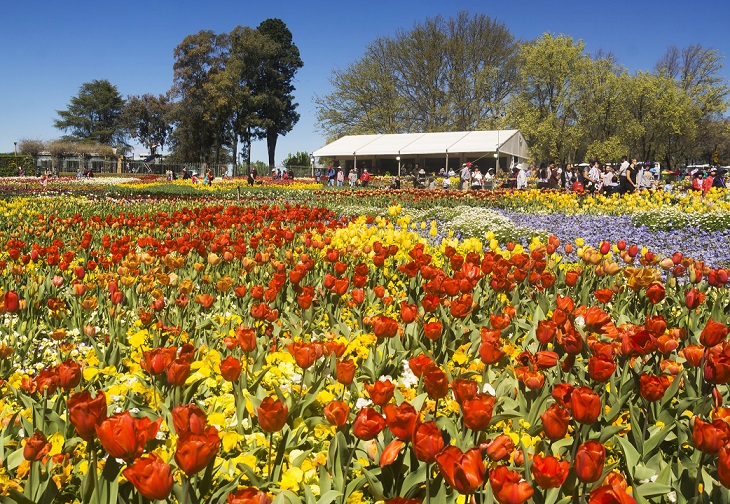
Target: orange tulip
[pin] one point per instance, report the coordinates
(463, 471)
(509, 487)
(85, 412)
(589, 460)
(428, 441)
(124, 437)
(272, 414)
(151, 477)
(549, 472)
(36, 447)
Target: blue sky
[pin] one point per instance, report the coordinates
(48, 49)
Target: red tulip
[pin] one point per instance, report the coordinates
(189, 418)
(305, 354)
(461, 306)
(391, 452)
(11, 303)
(603, 295)
(151, 477)
(86, 413)
(436, 383)
(231, 369)
(601, 369)
(246, 338)
(427, 441)
(501, 448)
(652, 388)
(713, 333)
(345, 371)
(693, 298)
(195, 451)
(656, 292)
(337, 413)
(178, 372)
(607, 494)
(710, 437)
(69, 374)
(381, 392)
(555, 422)
(477, 412)
(433, 330)
(463, 471)
(125, 437)
(717, 368)
(401, 420)
(509, 487)
(723, 466)
(589, 460)
(419, 364)
(248, 495)
(693, 354)
(157, 360)
(385, 327)
(464, 389)
(585, 405)
(549, 472)
(430, 303)
(368, 424)
(272, 414)
(490, 353)
(36, 447)
(408, 312)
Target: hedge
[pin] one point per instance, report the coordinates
(9, 164)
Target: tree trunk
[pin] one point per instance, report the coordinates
(248, 150)
(235, 154)
(271, 136)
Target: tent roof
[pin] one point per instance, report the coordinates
(421, 143)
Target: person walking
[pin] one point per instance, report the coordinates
(340, 176)
(465, 176)
(521, 177)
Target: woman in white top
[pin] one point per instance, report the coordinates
(476, 179)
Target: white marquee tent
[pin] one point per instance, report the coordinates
(461, 145)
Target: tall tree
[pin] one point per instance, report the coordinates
(201, 129)
(274, 85)
(443, 75)
(659, 110)
(544, 108)
(602, 109)
(364, 99)
(697, 71)
(233, 91)
(93, 114)
(148, 119)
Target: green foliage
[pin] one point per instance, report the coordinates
(544, 107)
(298, 159)
(443, 75)
(148, 119)
(234, 87)
(93, 114)
(9, 164)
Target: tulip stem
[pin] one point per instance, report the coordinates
(186, 489)
(698, 478)
(428, 483)
(271, 444)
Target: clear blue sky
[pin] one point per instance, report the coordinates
(48, 49)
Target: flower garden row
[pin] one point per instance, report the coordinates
(211, 352)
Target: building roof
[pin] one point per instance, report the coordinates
(454, 142)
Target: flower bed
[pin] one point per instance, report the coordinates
(200, 351)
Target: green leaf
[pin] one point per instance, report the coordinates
(329, 496)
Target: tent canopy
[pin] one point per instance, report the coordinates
(509, 142)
